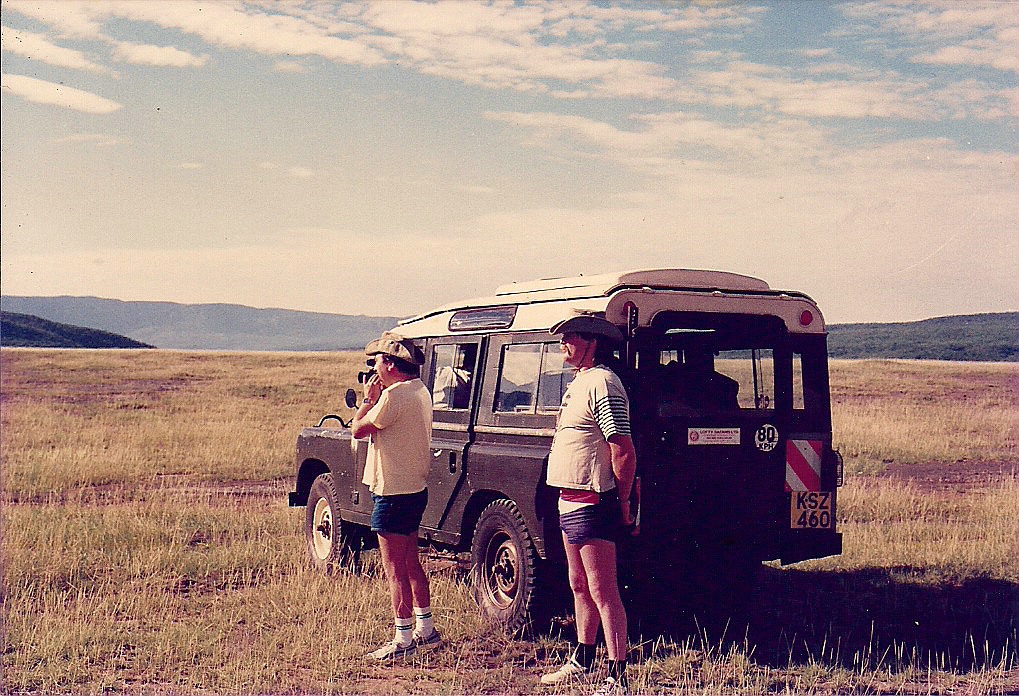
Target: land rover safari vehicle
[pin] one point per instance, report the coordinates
(731, 420)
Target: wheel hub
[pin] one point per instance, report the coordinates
(322, 523)
(503, 572)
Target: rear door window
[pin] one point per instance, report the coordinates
(744, 379)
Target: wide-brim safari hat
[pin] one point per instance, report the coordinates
(394, 344)
(585, 322)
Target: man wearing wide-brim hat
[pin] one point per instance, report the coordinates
(396, 414)
(592, 463)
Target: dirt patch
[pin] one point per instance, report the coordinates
(952, 477)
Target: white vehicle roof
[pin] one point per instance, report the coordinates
(541, 303)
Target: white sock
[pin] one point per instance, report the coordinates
(404, 631)
(425, 627)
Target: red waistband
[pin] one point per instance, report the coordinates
(571, 495)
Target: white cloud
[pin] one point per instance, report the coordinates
(159, 56)
(39, 47)
(526, 48)
(237, 26)
(662, 142)
(89, 139)
(974, 53)
(301, 172)
(72, 19)
(980, 34)
(749, 85)
(289, 66)
(42, 92)
(233, 25)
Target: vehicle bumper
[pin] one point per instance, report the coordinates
(802, 545)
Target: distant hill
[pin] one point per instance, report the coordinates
(27, 331)
(207, 326)
(979, 337)
(976, 337)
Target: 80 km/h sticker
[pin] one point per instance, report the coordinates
(766, 437)
(810, 510)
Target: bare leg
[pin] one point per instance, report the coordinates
(416, 575)
(599, 562)
(585, 609)
(394, 560)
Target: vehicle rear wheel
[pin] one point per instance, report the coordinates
(333, 544)
(504, 565)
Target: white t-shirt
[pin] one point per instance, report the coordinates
(399, 453)
(594, 408)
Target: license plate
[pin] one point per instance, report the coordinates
(810, 510)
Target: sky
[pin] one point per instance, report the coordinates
(385, 158)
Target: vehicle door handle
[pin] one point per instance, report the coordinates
(436, 453)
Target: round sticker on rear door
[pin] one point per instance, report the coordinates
(766, 437)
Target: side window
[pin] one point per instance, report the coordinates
(518, 378)
(798, 382)
(453, 375)
(810, 381)
(532, 378)
(555, 377)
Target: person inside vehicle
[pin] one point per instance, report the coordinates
(694, 387)
(716, 391)
(592, 462)
(396, 414)
(452, 387)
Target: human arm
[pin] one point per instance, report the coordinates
(360, 426)
(624, 468)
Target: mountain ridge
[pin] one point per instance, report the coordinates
(28, 331)
(214, 326)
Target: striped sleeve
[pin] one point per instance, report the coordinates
(611, 408)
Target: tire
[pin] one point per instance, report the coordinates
(504, 566)
(333, 544)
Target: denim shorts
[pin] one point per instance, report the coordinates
(602, 520)
(398, 514)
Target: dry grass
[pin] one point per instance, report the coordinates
(147, 546)
(925, 411)
(136, 416)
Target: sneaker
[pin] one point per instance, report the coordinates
(569, 671)
(430, 643)
(610, 687)
(392, 651)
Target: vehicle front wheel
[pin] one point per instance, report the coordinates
(504, 565)
(333, 544)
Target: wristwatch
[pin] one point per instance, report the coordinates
(366, 401)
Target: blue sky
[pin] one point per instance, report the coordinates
(384, 158)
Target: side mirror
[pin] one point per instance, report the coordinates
(350, 398)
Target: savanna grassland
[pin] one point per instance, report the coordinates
(147, 546)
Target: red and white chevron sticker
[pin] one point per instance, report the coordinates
(803, 465)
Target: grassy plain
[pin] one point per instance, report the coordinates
(147, 546)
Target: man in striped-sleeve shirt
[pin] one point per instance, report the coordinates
(592, 462)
